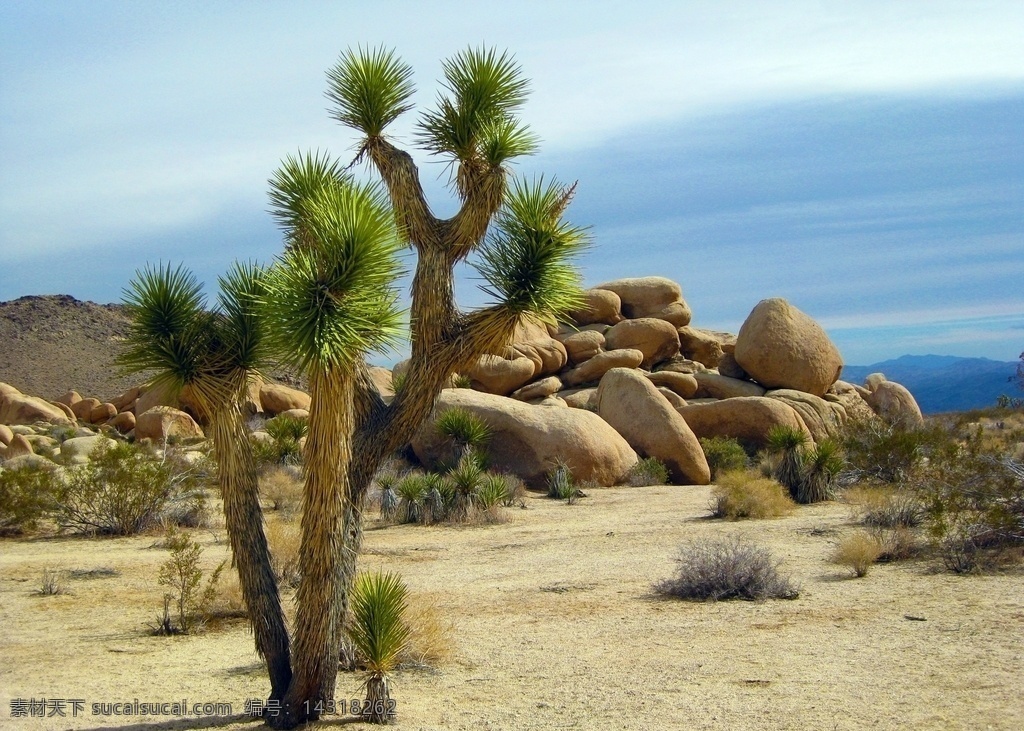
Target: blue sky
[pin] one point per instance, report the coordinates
(864, 160)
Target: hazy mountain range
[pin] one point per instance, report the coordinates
(945, 382)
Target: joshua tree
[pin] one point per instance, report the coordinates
(214, 354)
(525, 262)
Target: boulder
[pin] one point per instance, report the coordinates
(849, 397)
(714, 385)
(683, 384)
(547, 354)
(700, 345)
(657, 339)
(593, 369)
(674, 399)
(70, 398)
(123, 422)
(599, 306)
(275, 398)
(874, 380)
(78, 450)
(383, 381)
(632, 405)
(6, 435)
(781, 347)
(529, 329)
(651, 297)
(539, 389)
(748, 418)
(894, 403)
(83, 408)
(528, 441)
(300, 414)
(727, 366)
(19, 446)
(102, 414)
(161, 422)
(579, 398)
(17, 408)
(494, 374)
(164, 394)
(824, 419)
(127, 399)
(582, 346)
(65, 408)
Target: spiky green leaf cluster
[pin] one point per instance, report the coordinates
(330, 297)
(369, 89)
(475, 121)
(378, 629)
(527, 260)
(173, 333)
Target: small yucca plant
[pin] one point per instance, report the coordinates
(386, 481)
(380, 636)
(466, 480)
(438, 499)
(822, 465)
(789, 444)
(411, 491)
(465, 431)
(560, 483)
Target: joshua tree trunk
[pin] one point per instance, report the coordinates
(244, 518)
(319, 595)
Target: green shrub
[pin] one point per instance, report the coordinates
(123, 490)
(412, 491)
(464, 431)
(746, 494)
(723, 454)
(286, 427)
(283, 446)
(183, 576)
(648, 471)
(727, 568)
(26, 494)
(886, 452)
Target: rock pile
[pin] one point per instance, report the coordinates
(629, 377)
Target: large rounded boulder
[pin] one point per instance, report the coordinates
(530, 440)
(275, 398)
(501, 376)
(636, 410)
(893, 402)
(17, 408)
(599, 306)
(781, 347)
(748, 418)
(651, 297)
(163, 422)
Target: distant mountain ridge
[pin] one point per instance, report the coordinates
(945, 382)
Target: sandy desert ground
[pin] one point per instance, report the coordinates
(556, 627)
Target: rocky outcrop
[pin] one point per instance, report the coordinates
(592, 370)
(683, 384)
(582, 346)
(539, 389)
(635, 409)
(893, 402)
(547, 354)
(713, 385)
(781, 347)
(17, 408)
(823, 419)
(79, 450)
(700, 345)
(19, 446)
(275, 398)
(599, 306)
(529, 440)
(494, 374)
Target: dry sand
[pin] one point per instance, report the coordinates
(556, 627)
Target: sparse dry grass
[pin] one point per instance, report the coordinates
(431, 634)
(284, 539)
(857, 551)
(884, 506)
(747, 494)
(281, 487)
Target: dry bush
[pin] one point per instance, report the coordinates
(886, 507)
(746, 494)
(431, 635)
(648, 471)
(728, 568)
(228, 602)
(281, 487)
(54, 582)
(857, 551)
(898, 544)
(284, 539)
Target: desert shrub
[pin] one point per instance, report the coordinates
(887, 507)
(53, 583)
(183, 576)
(286, 427)
(283, 446)
(857, 551)
(746, 494)
(822, 464)
(462, 381)
(466, 479)
(284, 540)
(886, 452)
(897, 543)
(412, 492)
(728, 568)
(123, 490)
(648, 471)
(281, 486)
(724, 454)
(430, 641)
(26, 494)
(788, 445)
